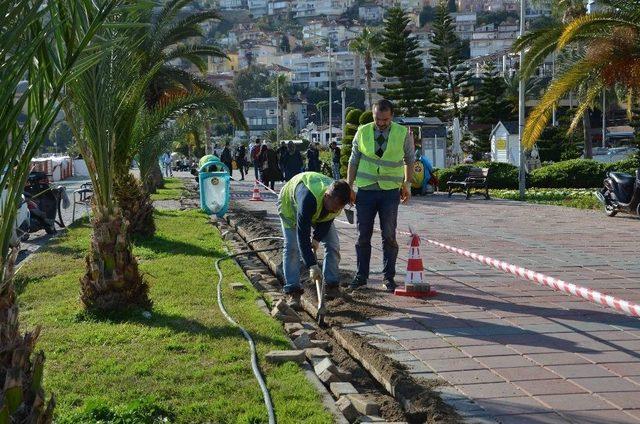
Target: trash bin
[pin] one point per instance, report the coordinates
(214, 182)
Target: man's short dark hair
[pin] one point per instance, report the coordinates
(383, 105)
(341, 191)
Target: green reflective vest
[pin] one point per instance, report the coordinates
(388, 170)
(317, 184)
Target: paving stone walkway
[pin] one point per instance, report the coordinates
(512, 351)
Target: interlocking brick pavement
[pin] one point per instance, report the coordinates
(513, 351)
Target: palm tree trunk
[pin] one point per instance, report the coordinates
(586, 128)
(136, 205)
(20, 377)
(157, 180)
(112, 281)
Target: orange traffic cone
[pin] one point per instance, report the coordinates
(414, 283)
(256, 196)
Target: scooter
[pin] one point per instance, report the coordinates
(620, 194)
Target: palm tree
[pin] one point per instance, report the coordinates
(368, 45)
(281, 87)
(36, 63)
(168, 35)
(107, 113)
(602, 50)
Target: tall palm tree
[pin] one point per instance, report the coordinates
(281, 87)
(603, 51)
(36, 63)
(368, 45)
(166, 36)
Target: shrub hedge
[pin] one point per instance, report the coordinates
(575, 173)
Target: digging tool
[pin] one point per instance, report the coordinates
(322, 310)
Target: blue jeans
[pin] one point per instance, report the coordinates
(291, 258)
(385, 204)
(335, 168)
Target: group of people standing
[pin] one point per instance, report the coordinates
(283, 164)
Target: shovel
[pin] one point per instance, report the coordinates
(349, 214)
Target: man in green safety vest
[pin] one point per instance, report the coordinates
(381, 167)
(311, 200)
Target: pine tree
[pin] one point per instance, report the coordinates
(410, 89)
(450, 71)
(489, 106)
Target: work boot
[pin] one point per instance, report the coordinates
(357, 283)
(331, 292)
(293, 299)
(389, 285)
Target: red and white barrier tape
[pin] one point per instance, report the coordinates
(586, 293)
(569, 288)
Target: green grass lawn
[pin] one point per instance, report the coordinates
(185, 363)
(173, 188)
(570, 197)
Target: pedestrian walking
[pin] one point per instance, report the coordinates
(255, 158)
(241, 154)
(335, 160)
(227, 158)
(166, 163)
(270, 168)
(282, 153)
(292, 162)
(313, 157)
(381, 166)
(311, 200)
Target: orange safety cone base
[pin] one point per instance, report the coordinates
(401, 291)
(256, 196)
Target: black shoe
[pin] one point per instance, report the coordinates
(389, 285)
(331, 292)
(357, 283)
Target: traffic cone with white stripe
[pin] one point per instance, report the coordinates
(414, 283)
(256, 196)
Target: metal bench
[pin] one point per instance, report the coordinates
(475, 179)
(83, 196)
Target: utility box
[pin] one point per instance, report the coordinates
(214, 181)
(430, 138)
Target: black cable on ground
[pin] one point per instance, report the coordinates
(245, 333)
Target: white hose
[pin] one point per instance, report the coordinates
(254, 357)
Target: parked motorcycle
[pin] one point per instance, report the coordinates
(44, 202)
(620, 194)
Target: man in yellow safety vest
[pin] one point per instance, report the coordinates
(311, 200)
(381, 166)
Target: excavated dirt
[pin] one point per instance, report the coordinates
(422, 404)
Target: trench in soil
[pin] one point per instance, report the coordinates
(373, 374)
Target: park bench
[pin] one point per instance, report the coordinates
(475, 179)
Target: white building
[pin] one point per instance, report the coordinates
(256, 53)
(488, 40)
(313, 8)
(257, 8)
(465, 23)
(312, 71)
(261, 115)
(370, 13)
(279, 7)
(504, 143)
(411, 5)
(232, 4)
(317, 33)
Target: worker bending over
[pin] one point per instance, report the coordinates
(311, 200)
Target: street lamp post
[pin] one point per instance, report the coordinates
(330, 96)
(521, 111)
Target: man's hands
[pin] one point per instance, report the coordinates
(405, 193)
(315, 275)
(352, 198)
